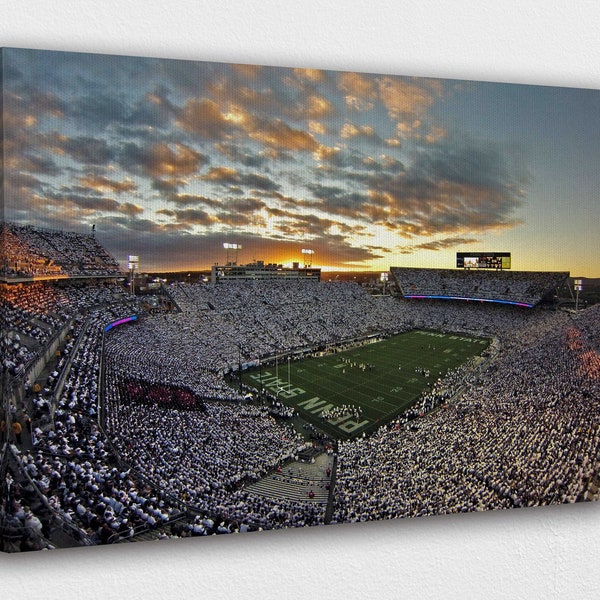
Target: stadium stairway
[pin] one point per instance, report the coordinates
(296, 480)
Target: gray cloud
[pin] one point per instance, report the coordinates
(228, 176)
(437, 245)
(161, 159)
(242, 155)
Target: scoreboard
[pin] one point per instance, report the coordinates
(483, 260)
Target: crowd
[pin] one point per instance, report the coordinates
(20, 528)
(34, 313)
(167, 427)
(240, 322)
(197, 454)
(33, 251)
(72, 463)
(20, 259)
(525, 432)
(510, 286)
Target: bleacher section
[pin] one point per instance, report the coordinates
(34, 313)
(33, 252)
(520, 288)
(97, 465)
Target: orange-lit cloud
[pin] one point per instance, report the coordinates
(162, 159)
(104, 184)
(248, 71)
(279, 135)
(360, 91)
(205, 118)
(349, 130)
(312, 75)
(406, 100)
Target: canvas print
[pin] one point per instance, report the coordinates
(239, 298)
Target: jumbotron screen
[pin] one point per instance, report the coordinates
(483, 260)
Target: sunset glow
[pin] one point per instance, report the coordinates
(169, 159)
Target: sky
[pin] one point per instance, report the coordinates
(170, 159)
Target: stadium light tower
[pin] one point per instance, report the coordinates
(132, 264)
(384, 279)
(236, 247)
(578, 285)
(308, 253)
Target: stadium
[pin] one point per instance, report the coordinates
(247, 405)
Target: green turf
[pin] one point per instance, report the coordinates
(318, 384)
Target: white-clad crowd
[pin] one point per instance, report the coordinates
(35, 251)
(523, 431)
(528, 287)
(526, 432)
(34, 313)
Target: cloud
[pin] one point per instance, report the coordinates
(188, 216)
(87, 150)
(360, 91)
(337, 201)
(242, 155)
(351, 162)
(154, 109)
(230, 176)
(169, 184)
(130, 209)
(454, 188)
(384, 249)
(86, 205)
(158, 244)
(294, 224)
(279, 135)
(247, 71)
(161, 160)
(188, 199)
(104, 184)
(293, 94)
(244, 205)
(280, 152)
(407, 99)
(315, 107)
(35, 104)
(208, 120)
(311, 75)
(98, 110)
(326, 154)
(128, 233)
(437, 245)
(34, 163)
(317, 127)
(203, 117)
(232, 212)
(23, 182)
(364, 133)
(237, 97)
(336, 250)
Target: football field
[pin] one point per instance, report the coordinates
(352, 392)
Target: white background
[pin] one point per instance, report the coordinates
(528, 553)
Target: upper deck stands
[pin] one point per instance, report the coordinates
(523, 288)
(35, 253)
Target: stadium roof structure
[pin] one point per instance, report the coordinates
(518, 288)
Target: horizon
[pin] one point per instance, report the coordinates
(169, 159)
